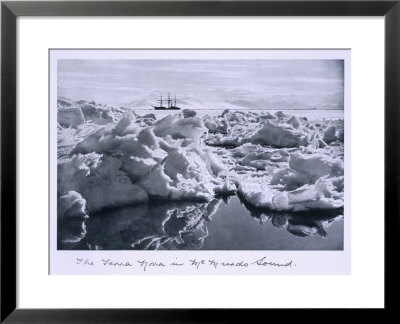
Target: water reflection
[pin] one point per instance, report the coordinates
(221, 224)
(71, 231)
(301, 224)
(159, 225)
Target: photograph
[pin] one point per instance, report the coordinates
(202, 152)
(223, 146)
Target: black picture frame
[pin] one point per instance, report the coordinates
(10, 10)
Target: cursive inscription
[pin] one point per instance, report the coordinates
(144, 264)
(109, 262)
(197, 264)
(262, 262)
(84, 262)
(217, 264)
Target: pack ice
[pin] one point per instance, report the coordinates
(272, 161)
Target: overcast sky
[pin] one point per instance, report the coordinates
(256, 84)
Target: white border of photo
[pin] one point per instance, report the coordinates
(197, 262)
(364, 36)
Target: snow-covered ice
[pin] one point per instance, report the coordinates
(275, 161)
(112, 157)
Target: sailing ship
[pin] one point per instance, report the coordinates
(171, 104)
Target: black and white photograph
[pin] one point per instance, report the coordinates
(201, 153)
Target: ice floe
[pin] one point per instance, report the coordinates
(71, 205)
(113, 157)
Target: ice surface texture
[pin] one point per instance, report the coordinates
(112, 157)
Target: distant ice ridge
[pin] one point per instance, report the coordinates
(274, 161)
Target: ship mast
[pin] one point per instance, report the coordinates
(169, 100)
(160, 100)
(171, 103)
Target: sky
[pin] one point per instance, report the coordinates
(210, 84)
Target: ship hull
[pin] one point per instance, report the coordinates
(162, 108)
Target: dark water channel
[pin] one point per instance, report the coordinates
(222, 224)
